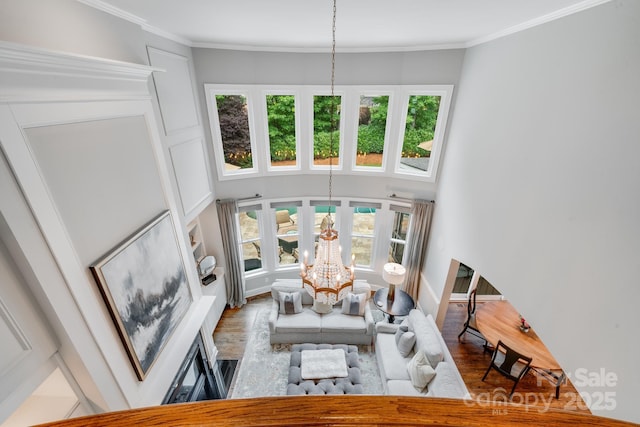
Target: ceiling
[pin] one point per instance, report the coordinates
(362, 25)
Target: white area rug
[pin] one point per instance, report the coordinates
(264, 368)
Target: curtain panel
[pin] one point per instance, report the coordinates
(235, 283)
(418, 237)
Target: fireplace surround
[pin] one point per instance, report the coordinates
(196, 380)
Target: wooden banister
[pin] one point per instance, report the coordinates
(355, 410)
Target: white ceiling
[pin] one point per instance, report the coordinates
(362, 25)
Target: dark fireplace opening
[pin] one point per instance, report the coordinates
(195, 379)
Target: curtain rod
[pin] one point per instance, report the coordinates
(393, 196)
(242, 199)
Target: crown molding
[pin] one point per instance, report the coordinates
(112, 10)
(570, 10)
(327, 49)
(35, 74)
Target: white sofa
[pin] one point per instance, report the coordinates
(308, 326)
(447, 381)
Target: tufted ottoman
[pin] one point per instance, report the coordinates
(351, 384)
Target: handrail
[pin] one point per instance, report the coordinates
(345, 410)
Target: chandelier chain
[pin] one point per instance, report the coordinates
(333, 108)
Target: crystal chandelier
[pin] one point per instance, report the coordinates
(328, 280)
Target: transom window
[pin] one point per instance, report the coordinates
(391, 130)
(282, 130)
(372, 131)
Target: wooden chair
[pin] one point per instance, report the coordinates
(470, 324)
(509, 363)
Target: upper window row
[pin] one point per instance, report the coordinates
(259, 129)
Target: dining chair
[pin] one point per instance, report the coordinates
(470, 324)
(509, 363)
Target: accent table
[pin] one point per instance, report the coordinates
(400, 305)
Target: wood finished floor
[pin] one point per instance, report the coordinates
(231, 336)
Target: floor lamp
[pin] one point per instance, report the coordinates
(393, 274)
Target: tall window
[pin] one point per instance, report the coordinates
(234, 131)
(281, 119)
(251, 243)
(401, 218)
(362, 234)
(322, 106)
(419, 132)
(287, 233)
(372, 128)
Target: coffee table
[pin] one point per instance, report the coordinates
(401, 304)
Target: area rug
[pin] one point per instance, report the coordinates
(264, 368)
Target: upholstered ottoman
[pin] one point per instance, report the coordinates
(349, 384)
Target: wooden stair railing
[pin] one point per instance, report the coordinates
(344, 410)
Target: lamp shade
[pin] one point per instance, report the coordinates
(393, 273)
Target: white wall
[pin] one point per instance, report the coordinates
(540, 182)
(70, 26)
(91, 186)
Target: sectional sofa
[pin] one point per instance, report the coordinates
(395, 352)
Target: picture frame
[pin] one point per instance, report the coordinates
(144, 284)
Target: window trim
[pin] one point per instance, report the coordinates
(366, 91)
(214, 123)
(258, 208)
(444, 92)
(323, 91)
(281, 91)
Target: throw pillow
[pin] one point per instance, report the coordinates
(420, 372)
(290, 302)
(405, 343)
(353, 304)
(401, 330)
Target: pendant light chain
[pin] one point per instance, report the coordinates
(333, 108)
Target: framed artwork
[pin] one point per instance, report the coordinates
(144, 284)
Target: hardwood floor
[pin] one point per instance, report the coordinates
(472, 361)
(231, 333)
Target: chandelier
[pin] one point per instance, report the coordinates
(328, 280)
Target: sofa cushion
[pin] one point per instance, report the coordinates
(402, 388)
(290, 302)
(353, 304)
(305, 321)
(420, 372)
(394, 365)
(446, 383)
(427, 338)
(335, 321)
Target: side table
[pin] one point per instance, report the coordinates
(400, 305)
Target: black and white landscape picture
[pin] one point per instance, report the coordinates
(145, 284)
